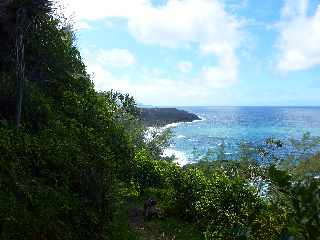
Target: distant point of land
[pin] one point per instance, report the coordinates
(164, 116)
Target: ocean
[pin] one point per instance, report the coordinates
(235, 125)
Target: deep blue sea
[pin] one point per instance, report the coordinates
(233, 125)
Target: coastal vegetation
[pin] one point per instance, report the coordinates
(75, 163)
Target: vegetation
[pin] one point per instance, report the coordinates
(77, 164)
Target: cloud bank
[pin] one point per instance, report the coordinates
(299, 37)
(116, 57)
(175, 24)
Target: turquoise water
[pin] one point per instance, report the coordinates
(233, 125)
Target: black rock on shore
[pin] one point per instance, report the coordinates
(164, 116)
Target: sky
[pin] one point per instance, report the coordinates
(202, 52)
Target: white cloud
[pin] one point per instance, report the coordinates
(100, 9)
(298, 42)
(293, 8)
(204, 22)
(153, 88)
(187, 21)
(176, 23)
(104, 80)
(116, 58)
(81, 25)
(184, 66)
(226, 72)
(220, 76)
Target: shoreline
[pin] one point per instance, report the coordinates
(181, 158)
(172, 125)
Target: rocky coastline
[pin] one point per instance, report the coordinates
(164, 116)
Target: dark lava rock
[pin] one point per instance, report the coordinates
(164, 116)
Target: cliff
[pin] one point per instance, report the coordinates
(164, 116)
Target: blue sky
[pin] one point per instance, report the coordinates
(203, 52)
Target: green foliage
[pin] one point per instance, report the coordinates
(305, 159)
(80, 156)
(221, 207)
(238, 199)
(278, 177)
(156, 141)
(59, 171)
(152, 173)
(304, 222)
(59, 179)
(170, 228)
(309, 167)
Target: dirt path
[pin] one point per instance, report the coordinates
(159, 229)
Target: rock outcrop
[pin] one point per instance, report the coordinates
(164, 116)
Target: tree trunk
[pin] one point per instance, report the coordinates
(20, 64)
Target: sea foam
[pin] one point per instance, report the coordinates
(180, 157)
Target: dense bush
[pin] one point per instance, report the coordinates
(60, 180)
(58, 171)
(221, 207)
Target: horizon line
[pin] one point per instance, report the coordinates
(283, 106)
